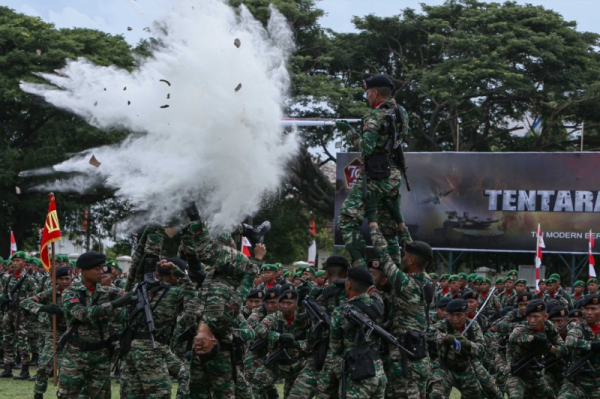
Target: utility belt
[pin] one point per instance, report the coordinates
(89, 346)
(360, 363)
(416, 342)
(146, 336)
(378, 166)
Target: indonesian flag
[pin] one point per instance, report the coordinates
(538, 256)
(50, 234)
(13, 244)
(312, 250)
(592, 272)
(246, 247)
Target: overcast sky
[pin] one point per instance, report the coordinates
(115, 16)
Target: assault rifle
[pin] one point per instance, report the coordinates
(368, 327)
(277, 355)
(63, 341)
(318, 316)
(578, 366)
(12, 292)
(188, 337)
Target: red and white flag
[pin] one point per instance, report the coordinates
(312, 250)
(246, 247)
(538, 256)
(13, 244)
(592, 272)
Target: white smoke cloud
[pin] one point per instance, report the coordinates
(212, 144)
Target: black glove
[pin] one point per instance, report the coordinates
(596, 346)
(303, 290)
(51, 309)
(287, 339)
(315, 292)
(540, 338)
(4, 300)
(371, 204)
(122, 301)
(464, 342)
(393, 205)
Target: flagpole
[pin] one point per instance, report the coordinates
(55, 368)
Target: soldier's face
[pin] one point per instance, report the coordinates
(591, 313)
(579, 289)
(253, 303)
(454, 286)
(372, 97)
(64, 282)
(441, 313)
(473, 303)
(288, 307)
(258, 280)
(268, 276)
(500, 287)
(308, 276)
(457, 319)
(542, 287)
(463, 283)
(592, 287)
(552, 287)
(320, 281)
(509, 285)
(477, 287)
(560, 322)
(93, 275)
(204, 341)
(520, 288)
(297, 281)
(485, 287)
(444, 284)
(536, 320)
(272, 305)
(522, 306)
(18, 264)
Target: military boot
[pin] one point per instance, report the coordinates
(35, 358)
(38, 396)
(17, 365)
(7, 371)
(256, 235)
(24, 373)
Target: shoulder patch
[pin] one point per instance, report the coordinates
(75, 300)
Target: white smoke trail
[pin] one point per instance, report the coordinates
(212, 143)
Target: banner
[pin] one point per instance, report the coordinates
(493, 201)
(50, 234)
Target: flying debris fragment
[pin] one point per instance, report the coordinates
(168, 96)
(105, 89)
(94, 162)
(238, 87)
(17, 190)
(124, 88)
(128, 102)
(129, 28)
(38, 52)
(165, 106)
(96, 103)
(166, 81)
(237, 43)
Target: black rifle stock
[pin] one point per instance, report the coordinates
(318, 316)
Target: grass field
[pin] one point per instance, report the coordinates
(12, 389)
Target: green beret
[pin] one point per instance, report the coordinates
(310, 270)
(478, 279)
(298, 274)
(462, 276)
(579, 283)
(593, 280)
(29, 259)
(320, 273)
(18, 255)
(499, 280)
(555, 275)
(300, 269)
(512, 273)
(521, 281)
(543, 280)
(511, 278)
(487, 280)
(551, 280)
(286, 273)
(444, 277)
(37, 262)
(113, 263)
(453, 277)
(279, 266)
(73, 263)
(64, 258)
(471, 277)
(1, 259)
(269, 268)
(433, 276)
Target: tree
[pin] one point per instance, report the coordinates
(34, 135)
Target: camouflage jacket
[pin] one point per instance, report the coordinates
(45, 282)
(505, 297)
(329, 299)
(373, 137)
(342, 340)
(493, 308)
(506, 324)
(520, 344)
(243, 329)
(93, 317)
(264, 286)
(567, 296)
(34, 303)
(27, 289)
(407, 304)
(558, 297)
(439, 294)
(579, 341)
(272, 326)
(431, 334)
(448, 356)
(257, 316)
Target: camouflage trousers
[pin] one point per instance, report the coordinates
(212, 379)
(352, 213)
(502, 370)
(554, 377)
(32, 326)
(16, 338)
(584, 389)
(410, 385)
(252, 362)
(145, 374)
(443, 380)
(43, 371)
(265, 377)
(305, 386)
(528, 385)
(79, 369)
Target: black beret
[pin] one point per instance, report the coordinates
(419, 248)
(374, 264)
(525, 296)
(271, 293)
(256, 293)
(590, 300)
(361, 275)
(286, 286)
(442, 303)
(90, 260)
(576, 313)
(337, 260)
(107, 269)
(537, 305)
(378, 81)
(506, 310)
(470, 295)
(63, 271)
(289, 294)
(457, 305)
(558, 311)
(458, 294)
(180, 263)
(577, 304)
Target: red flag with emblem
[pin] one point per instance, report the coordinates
(246, 247)
(592, 262)
(50, 234)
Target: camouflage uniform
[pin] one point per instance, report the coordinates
(243, 389)
(504, 327)
(561, 291)
(493, 308)
(407, 314)
(371, 141)
(33, 305)
(557, 297)
(530, 382)
(270, 328)
(86, 359)
(16, 337)
(506, 298)
(585, 384)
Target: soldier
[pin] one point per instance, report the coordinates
(361, 367)
(463, 281)
(258, 281)
(562, 291)
(459, 351)
(542, 287)
(579, 287)
(499, 286)
(117, 272)
(308, 273)
(287, 275)
(528, 345)
(254, 300)
(269, 277)
(282, 332)
(16, 287)
(320, 278)
(434, 279)
(443, 290)
(297, 279)
(576, 316)
(493, 308)
(592, 286)
(454, 284)
(582, 341)
(42, 304)
(88, 306)
(440, 314)
(382, 174)
(410, 298)
(553, 294)
(477, 283)
(145, 370)
(470, 281)
(556, 366)
(506, 297)
(514, 274)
